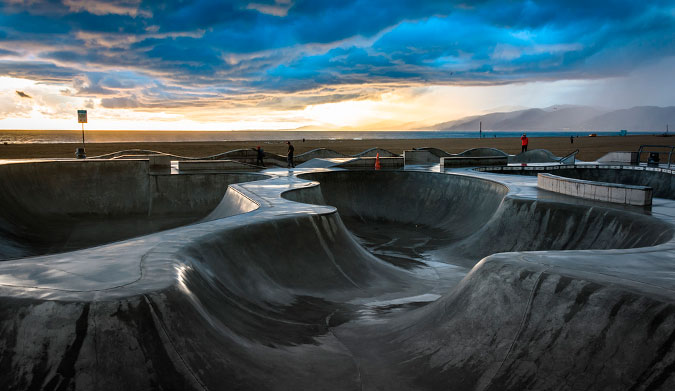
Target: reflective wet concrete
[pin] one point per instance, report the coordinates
(322, 278)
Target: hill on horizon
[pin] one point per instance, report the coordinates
(565, 117)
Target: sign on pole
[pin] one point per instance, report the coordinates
(82, 119)
(81, 116)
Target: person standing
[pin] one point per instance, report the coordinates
(289, 157)
(571, 139)
(523, 142)
(260, 156)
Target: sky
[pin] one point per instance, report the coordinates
(320, 64)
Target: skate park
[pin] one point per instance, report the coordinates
(434, 272)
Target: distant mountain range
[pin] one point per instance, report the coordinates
(565, 117)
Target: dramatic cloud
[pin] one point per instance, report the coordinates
(155, 55)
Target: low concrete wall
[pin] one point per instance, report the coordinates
(420, 157)
(369, 162)
(159, 164)
(599, 191)
(625, 157)
(214, 165)
(661, 180)
(460, 161)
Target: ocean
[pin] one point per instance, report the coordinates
(100, 136)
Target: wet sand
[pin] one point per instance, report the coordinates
(590, 148)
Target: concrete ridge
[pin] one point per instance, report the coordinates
(425, 155)
(535, 156)
(482, 152)
(245, 152)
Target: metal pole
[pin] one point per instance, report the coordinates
(83, 135)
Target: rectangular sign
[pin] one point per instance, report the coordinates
(81, 116)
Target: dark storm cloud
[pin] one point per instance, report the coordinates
(206, 47)
(39, 71)
(4, 53)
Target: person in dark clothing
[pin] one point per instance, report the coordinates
(523, 142)
(260, 156)
(571, 139)
(290, 155)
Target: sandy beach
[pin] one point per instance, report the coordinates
(590, 148)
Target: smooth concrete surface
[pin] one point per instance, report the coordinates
(600, 191)
(334, 279)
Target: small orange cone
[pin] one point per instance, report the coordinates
(377, 161)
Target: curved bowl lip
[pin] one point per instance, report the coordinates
(511, 191)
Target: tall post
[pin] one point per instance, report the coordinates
(81, 118)
(480, 129)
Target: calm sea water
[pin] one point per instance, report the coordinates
(75, 136)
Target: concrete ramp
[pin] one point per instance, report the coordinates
(373, 152)
(319, 153)
(534, 156)
(482, 152)
(324, 162)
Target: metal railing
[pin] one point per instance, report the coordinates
(570, 158)
(642, 147)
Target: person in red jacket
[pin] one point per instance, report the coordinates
(524, 141)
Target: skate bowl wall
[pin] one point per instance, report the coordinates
(255, 302)
(476, 216)
(516, 325)
(456, 204)
(525, 225)
(49, 207)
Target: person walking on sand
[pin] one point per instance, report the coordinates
(571, 139)
(260, 156)
(290, 154)
(523, 142)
